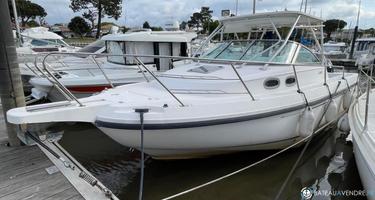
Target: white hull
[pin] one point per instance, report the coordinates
(365, 172)
(363, 142)
(274, 132)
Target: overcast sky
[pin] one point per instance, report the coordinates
(159, 12)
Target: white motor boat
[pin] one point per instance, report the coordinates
(39, 40)
(335, 50)
(252, 94)
(36, 41)
(84, 79)
(362, 47)
(361, 120)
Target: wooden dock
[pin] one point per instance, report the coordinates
(23, 174)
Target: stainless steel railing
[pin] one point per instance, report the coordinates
(366, 80)
(50, 74)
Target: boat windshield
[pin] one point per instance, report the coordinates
(46, 42)
(256, 51)
(93, 47)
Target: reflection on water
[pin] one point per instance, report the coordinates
(328, 164)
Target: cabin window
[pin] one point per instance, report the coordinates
(206, 69)
(36, 42)
(139, 48)
(306, 56)
(272, 83)
(290, 81)
(115, 48)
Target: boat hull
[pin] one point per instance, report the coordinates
(364, 169)
(267, 133)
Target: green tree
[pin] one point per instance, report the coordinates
(201, 19)
(32, 23)
(146, 25)
(79, 26)
(183, 25)
(332, 25)
(27, 11)
(206, 18)
(212, 26)
(156, 28)
(111, 8)
(91, 16)
(195, 20)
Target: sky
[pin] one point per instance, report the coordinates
(160, 12)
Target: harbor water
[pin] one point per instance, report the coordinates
(327, 165)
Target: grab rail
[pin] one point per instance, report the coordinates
(370, 80)
(50, 75)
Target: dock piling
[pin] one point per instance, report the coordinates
(11, 88)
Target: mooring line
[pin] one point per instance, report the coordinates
(247, 167)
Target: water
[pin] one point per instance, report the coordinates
(328, 164)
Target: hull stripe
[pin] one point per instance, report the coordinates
(214, 122)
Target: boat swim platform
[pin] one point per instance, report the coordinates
(30, 172)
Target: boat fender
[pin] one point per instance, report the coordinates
(331, 113)
(347, 99)
(343, 123)
(306, 125)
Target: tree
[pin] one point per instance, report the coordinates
(206, 18)
(146, 25)
(32, 23)
(79, 26)
(91, 16)
(27, 11)
(156, 28)
(332, 25)
(111, 8)
(212, 26)
(201, 19)
(195, 20)
(183, 25)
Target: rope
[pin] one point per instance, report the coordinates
(246, 167)
(141, 113)
(307, 144)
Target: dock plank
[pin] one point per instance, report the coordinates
(23, 173)
(69, 193)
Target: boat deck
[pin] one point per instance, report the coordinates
(23, 173)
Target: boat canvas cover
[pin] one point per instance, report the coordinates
(245, 23)
(154, 36)
(41, 33)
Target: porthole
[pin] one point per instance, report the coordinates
(290, 81)
(271, 83)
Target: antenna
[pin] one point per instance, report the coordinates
(236, 7)
(254, 5)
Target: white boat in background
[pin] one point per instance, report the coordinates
(87, 74)
(40, 39)
(251, 94)
(362, 47)
(335, 50)
(35, 42)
